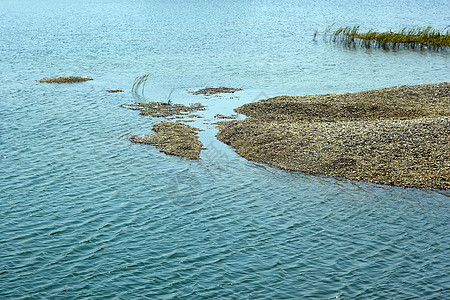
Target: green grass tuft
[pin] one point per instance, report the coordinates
(407, 38)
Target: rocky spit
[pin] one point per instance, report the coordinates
(396, 136)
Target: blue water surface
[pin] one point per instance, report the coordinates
(86, 214)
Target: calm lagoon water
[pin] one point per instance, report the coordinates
(86, 214)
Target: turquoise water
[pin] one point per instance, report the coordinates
(86, 214)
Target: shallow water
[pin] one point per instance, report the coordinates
(85, 213)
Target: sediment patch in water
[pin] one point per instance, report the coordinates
(397, 136)
(407, 38)
(173, 139)
(69, 79)
(163, 109)
(220, 116)
(217, 90)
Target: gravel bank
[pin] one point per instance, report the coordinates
(397, 136)
(173, 139)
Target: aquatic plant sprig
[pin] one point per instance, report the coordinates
(406, 38)
(138, 87)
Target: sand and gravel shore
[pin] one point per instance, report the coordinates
(396, 136)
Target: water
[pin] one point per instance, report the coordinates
(84, 213)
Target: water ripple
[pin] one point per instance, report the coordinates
(86, 214)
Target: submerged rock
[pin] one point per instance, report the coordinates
(69, 79)
(398, 136)
(217, 90)
(173, 139)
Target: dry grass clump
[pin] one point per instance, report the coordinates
(408, 38)
(69, 79)
(114, 91)
(173, 139)
(359, 139)
(163, 109)
(217, 90)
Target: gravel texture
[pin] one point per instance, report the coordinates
(164, 110)
(216, 90)
(397, 136)
(173, 139)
